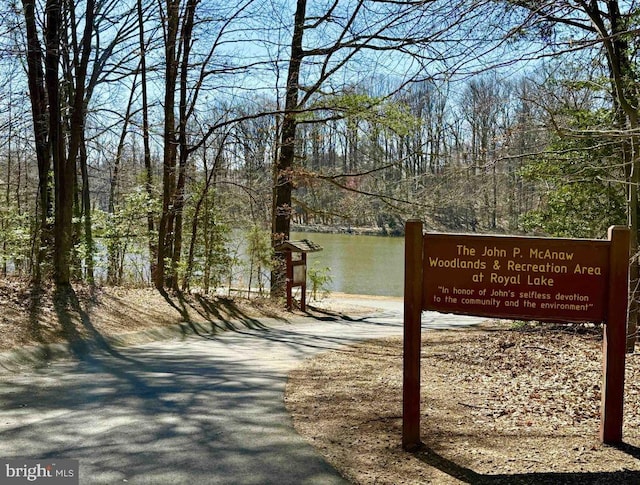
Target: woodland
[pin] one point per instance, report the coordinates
(168, 143)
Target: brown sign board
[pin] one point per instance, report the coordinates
(566, 280)
(516, 277)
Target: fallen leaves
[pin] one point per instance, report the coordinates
(517, 405)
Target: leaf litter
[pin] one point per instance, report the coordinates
(500, 404)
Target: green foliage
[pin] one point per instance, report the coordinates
(582, 186)
(14, 237)
(215, 262)
(578, 210)
(391, 115)
(212, 262)
(320, 280)
(259, 245)
(123, 234)
(260, 253)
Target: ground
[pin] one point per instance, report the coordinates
(502, 403)
(32, 317)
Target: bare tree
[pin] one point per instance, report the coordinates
(184, 81)
(334, 38)
(609, 25)
(38, 96)
(62, 78)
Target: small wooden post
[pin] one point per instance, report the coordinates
(289, 270)
(614, 340)
(303, 289)
(413, 269)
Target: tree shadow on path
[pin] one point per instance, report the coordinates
(76, 326)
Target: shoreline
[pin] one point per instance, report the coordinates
(354, 230)
(353, 296)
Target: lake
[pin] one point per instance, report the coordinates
(367, 265)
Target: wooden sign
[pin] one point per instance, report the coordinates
(516, 277)
(296, 267)
(566, 280)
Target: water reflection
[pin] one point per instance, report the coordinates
(368, 265)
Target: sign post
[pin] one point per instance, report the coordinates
(614, 339)
(525, 278)
(413, 280)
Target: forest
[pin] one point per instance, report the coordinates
(169, 142)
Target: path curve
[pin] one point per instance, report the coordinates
(205, 410)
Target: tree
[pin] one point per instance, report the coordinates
(63, 156)
(611, 25)
(37, 94)
(184, 81)
(330, 39)
(62, 74)
(281, 227)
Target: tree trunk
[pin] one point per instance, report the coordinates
(113, 266)
(281, 217)
(37, 95)
(183, 148)
(153, 248)
(165, 228)
(63, 176)
(86, 212)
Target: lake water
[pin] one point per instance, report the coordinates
(362, 265)
(367, 265)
